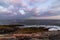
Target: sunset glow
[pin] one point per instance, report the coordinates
(31, 8)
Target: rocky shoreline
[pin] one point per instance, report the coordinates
(28, 33)
(54, 35)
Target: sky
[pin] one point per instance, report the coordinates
(33, 9)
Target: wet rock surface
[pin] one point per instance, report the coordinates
(55, 35)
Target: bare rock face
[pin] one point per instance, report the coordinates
(5, 29)
(55, 37)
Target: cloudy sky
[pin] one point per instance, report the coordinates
(35, 9)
